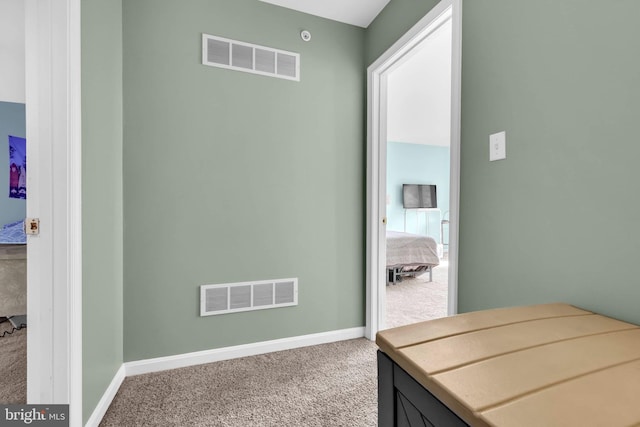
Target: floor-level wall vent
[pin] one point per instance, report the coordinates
(246, 296)
(250, 58)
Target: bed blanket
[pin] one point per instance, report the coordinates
(13, 234)
(411, 249)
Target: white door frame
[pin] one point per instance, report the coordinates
(54, 268)
(376, 157)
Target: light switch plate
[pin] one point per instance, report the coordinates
(498, 146)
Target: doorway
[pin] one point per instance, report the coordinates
(13, 167)
(447, 12)
(54, 297)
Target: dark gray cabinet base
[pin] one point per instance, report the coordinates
(403, 402)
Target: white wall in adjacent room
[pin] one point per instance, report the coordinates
(12, 50)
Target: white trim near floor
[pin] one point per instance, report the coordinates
(54, 287)
(108, 396)
(208, 356)
(376, 157)
(226, 353)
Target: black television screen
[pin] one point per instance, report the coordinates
(418, 196)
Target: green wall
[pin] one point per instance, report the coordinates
(392, 23)
(12, 122)
(556, 220)
(560, 213)
(231, 176)
(101, 196)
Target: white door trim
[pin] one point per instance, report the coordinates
(376, 156)
(54, 268)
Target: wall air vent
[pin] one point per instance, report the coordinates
(247, 296)
(250, 58)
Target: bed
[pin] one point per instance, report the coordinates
(13, 234)
(13, 270)
(410, 255)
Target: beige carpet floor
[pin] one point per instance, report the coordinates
(327, 385)
(13, 366)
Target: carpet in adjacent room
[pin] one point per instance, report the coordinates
(415, 300)
(13, 365)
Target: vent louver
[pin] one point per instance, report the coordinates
(247, 296)
(250, 58)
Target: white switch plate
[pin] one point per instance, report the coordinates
(498, 146)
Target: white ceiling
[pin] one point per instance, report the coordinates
(419, 93)
(354, 12)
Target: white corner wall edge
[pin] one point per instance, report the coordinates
(107, 398)
(234, 352)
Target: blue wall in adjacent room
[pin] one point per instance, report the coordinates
(12, 122)
(416, 164)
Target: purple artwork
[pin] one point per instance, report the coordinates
(17, 167)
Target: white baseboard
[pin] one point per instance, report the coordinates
(226, 353)
(207, 356)
(107, 398)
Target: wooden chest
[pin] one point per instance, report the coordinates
(545, 365)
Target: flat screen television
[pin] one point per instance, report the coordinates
(419, 196)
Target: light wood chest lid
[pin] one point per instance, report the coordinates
(500, 367)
